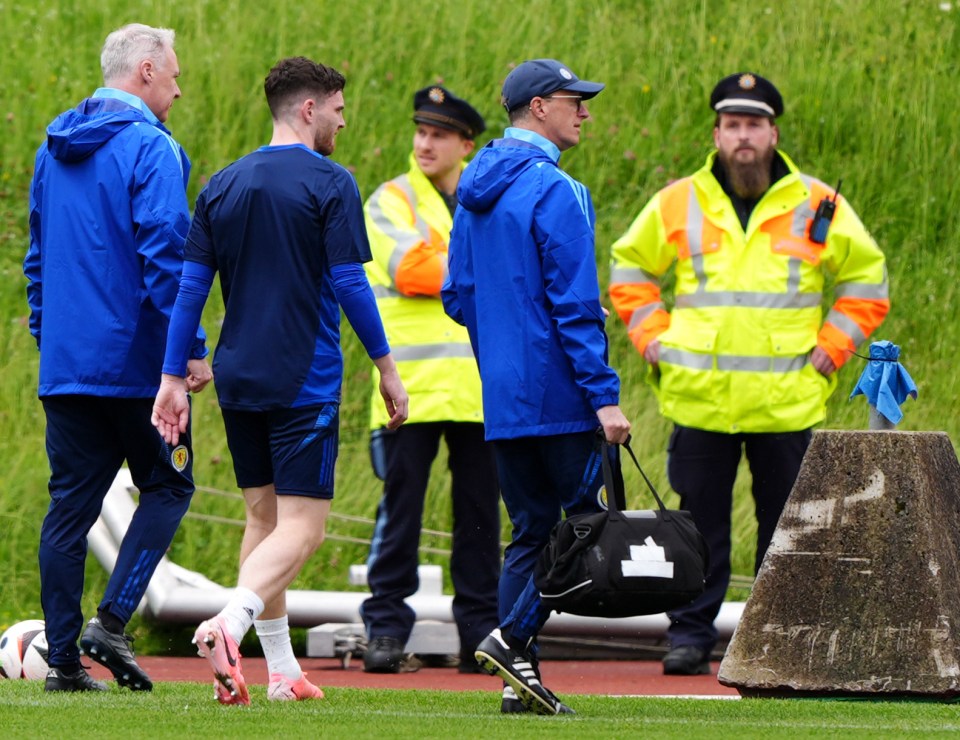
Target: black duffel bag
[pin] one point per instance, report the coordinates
(622, 563)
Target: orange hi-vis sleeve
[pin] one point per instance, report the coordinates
(628, 297)
(422, 269)
(866, 313)
(649, 329)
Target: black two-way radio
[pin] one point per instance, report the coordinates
(823, 217)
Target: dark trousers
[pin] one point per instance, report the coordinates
(540, 477)
(475, 553)
(702, 467)
(88, 438)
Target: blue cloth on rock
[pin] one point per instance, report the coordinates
(885, 382)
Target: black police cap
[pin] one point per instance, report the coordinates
(437, 106)
(746, 92)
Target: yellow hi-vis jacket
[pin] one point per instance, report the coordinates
(408, 225)
(734, 351)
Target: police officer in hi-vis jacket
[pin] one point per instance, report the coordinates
(744, 359)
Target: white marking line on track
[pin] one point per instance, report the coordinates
(673, 696)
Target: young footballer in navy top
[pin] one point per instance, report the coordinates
(284, 228)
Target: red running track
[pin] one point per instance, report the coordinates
(607, 677)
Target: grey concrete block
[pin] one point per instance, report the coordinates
(348, 639)
(859, 593)
(336, 639)
(434, 638)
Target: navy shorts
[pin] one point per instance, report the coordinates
(295, 449)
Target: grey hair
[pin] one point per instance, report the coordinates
(126, 47)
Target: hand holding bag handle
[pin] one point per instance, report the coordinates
(614, 483)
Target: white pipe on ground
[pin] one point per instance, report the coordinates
(179, 595)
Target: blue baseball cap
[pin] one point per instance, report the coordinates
(539, 78)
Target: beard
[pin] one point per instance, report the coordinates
(324, 142)
(749, 180)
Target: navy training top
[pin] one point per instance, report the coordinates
(273, 224)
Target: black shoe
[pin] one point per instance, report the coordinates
(510, 704)
(437, 660)
(57, 680)
(469, 664)
(116, 653)
(561, 707)
(686, 660)
(384, 655)
(520, 671)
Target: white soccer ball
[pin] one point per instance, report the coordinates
(23, 651)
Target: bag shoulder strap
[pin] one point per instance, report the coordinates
(614, 484)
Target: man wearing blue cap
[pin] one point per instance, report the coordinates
(408, 223)
(523, 280)
(744, 362)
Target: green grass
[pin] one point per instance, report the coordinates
(870, 90)
(187, 709)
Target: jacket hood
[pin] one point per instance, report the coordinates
(494, 169)
(77, 133)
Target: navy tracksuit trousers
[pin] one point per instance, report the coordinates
(540, 477)
(87, 439)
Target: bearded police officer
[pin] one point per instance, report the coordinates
(745, 359)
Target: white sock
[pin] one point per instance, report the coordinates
(274, 637)
(242, 608)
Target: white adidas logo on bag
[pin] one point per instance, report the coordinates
(647, 561)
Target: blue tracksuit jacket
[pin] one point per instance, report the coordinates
(108, 220)
(523, 280)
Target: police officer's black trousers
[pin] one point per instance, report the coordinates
(702, 468)
(475, 551)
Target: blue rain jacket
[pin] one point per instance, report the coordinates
(523, 280)
(108, 220)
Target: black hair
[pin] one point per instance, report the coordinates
(295, 77)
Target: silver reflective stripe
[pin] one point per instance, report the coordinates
(686, 359)
(793, 275)
(798, 229)
(847, 325)
(862, 290)
(431, 352)
(382, 291)
(761, 364)
(641, 313)
(695, 221)
(747, 299)
(790, 364)
(404, 241)
(632, 275)
(803, 212)
(741, 363)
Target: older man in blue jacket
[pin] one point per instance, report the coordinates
(523, 280)
(108, 219)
